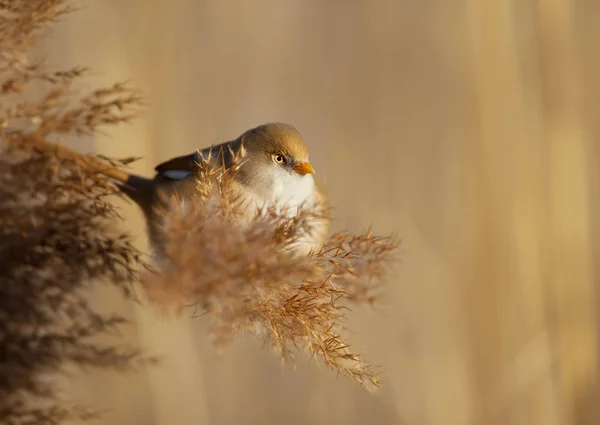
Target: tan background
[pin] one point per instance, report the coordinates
(468, 126)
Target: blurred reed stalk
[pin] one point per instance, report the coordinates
(534, 218)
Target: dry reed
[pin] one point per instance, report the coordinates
(57, 235)
(249, 276)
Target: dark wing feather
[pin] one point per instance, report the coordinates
(181, 166)
(180, 163)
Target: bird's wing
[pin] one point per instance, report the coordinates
(180, 167)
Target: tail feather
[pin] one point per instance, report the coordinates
(139, 189)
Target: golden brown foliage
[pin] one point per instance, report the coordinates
(56, 238)
(57, 234)
(249, 276)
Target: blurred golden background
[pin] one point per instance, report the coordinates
(467, 126)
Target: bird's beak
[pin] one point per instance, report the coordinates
(304, 168)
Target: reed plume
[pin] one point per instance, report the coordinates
(249, 277)
(57, 229)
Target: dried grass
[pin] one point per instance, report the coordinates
(249, 277)
(57, 234)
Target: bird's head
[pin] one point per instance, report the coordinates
(277, 162)
(277, 148)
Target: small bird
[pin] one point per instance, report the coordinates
(275, 171)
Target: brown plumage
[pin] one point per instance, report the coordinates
(275, 171)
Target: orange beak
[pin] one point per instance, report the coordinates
(304, 168)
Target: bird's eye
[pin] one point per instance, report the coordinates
(278, 159)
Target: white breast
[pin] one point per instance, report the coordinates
(293, 190)
(282, 188)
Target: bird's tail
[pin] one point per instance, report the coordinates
(139, 189)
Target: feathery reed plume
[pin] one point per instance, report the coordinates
(249, 277)
(56, 229)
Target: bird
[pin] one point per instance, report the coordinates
(275, 171)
